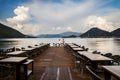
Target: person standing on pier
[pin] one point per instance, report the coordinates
(63, 41)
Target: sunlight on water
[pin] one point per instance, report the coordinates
(104, 45)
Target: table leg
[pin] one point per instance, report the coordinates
(107, 75)
(94, 65)
(18, 72)
(32, 67)
(109, 63)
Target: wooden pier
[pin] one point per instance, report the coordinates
(68, 62)
(56, 64)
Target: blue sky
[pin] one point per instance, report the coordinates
(7, 7)
(55, 16)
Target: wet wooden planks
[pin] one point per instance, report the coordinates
(55, 64)
(65, 74)
(56, 73)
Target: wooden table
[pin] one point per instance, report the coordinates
(28, 49)
(17, 61)
(33, 48)
(72, 45)
(78, 49)
(31, 51)
(96, 58)
(15, 53)
(111, 70)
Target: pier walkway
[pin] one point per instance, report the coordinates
(56, 64)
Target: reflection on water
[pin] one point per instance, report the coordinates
(8, 44)
(104, 45)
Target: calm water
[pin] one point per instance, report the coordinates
(104, 45)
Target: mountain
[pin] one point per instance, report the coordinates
(69, 33)
(116, 33)
(30, 36)
(49, 36)
(96, 33)
(71, 36)
(7, 32)
(60, 35)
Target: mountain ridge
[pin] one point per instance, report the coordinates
(60, 35)
(7, 32)
(99, 33)
(116, 33)
(96, 33)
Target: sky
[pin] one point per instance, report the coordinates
(56, 16)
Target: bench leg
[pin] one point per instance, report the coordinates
(32, 67)
(25, 72)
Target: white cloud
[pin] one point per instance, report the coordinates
(69, 28)
(114, 18)
(100, 22)
(41, 17)
(21, 15)
(63, 29)
(32, 28)
(58, 16)
(58, 28)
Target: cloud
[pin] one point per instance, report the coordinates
(39, 16)
(21, 16)
(63, 29)
(100, 22)
(113, 17)
(60, 15)
(32, 28)
(21, 21)
(69, 28)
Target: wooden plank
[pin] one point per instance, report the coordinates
(50, 73)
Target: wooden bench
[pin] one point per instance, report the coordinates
(27, 71)
(93, 74)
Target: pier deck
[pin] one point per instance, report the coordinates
(56, 64)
